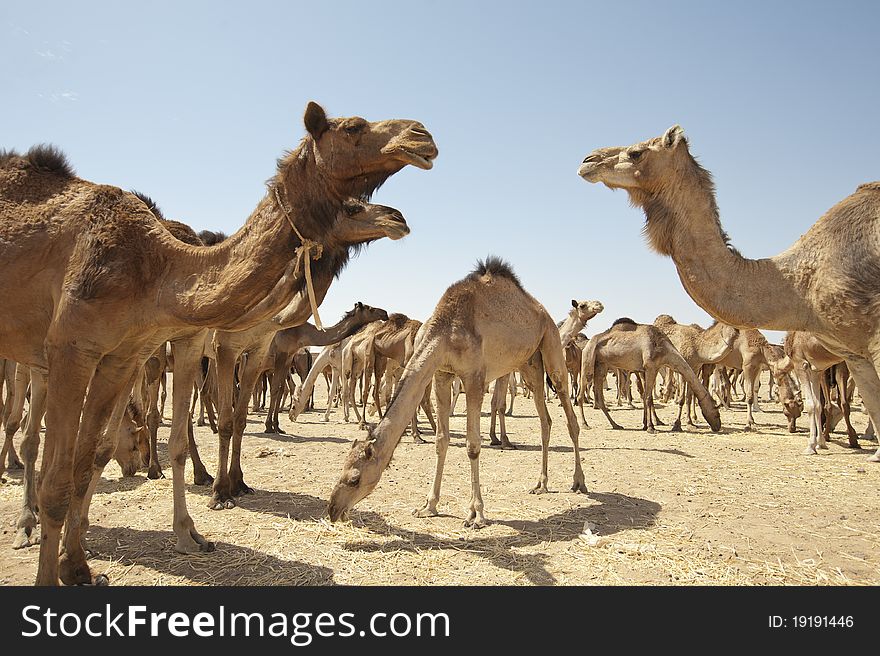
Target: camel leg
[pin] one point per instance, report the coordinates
(14, 417)
(497, 408)
(428, 408)
(443, 387)
(843, 391)
(248, 377)
(225, 360)
(334, 385)
(152, 418)
(188, 369)
(163, 382)
(811, 386)
(599, 399)
(187, 359)
(749, 375)
(25, 534)
(676, 427)
(474, 387)
(648, 400)
(111, 382)
(865, 374)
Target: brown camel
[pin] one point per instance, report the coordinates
(580, 313)
(642, 348)
(74, 253)
(697, 347)
(362, 223)
(483, 326)
(811, 360)
(330, 356)
(825, 284)
(289, 341)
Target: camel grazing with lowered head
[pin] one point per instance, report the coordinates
(73, 253)
(698, 347)
(642, 348)
(824, 284)
(483, 327)
(580, 313)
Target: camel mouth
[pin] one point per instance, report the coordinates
(336, 513)
(417, 160)
(394, 225)
(588, 171)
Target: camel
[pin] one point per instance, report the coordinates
(698, 347)
(331, 356)
(811, 359)
(289, 341)
(824, 284)
(580, 313)
(484, 326)
(362, 223)
(74, 253)
(638, 347)
(15, 379)
(752, 352)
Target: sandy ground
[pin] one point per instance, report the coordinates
(690, 508)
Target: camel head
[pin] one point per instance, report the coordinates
(360, 474)
(358, 155)
(367, 313)
(641, 167)
(586, 310)
(360, 222)
(133, 448)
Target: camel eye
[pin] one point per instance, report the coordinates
(635, 154)
(354, 128)
(354, 477)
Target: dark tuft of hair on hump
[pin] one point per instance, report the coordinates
(212, 237)
(47, 157)
(623, 320)
(495, 266)
(150, 203)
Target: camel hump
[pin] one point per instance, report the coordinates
(50, 158)
(150, 203)
(869, 186)
(623, 321)
(495, 266)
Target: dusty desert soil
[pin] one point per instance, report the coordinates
(691, 508)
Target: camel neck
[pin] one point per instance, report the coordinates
(570, 327)
(249, 277)
(684, 224)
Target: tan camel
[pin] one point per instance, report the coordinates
(483, 326)
(362, 223)
(73, 253)
(641, 348)
(824, 284)
(697, 347)
(811, 359)
(580, 313)
(751, 353)
(288, 342)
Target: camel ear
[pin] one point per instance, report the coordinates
(673, 136)
(354, 443)
(315, 120)
(574, 303)
(369, 451)
(358, 305)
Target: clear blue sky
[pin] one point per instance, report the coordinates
(192, 103)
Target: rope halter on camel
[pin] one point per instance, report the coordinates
(304, 254)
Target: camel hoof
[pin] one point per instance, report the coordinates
(239, 488)
(823, 445)
(219, 502)
(193, 546)
(417, 439)
(155, 473)
(509, 445)
(14, 464)
(202, 478)
(854, 443)
(874, 458)
(651, 430)
(425, 511)
(101, 580)
(26, 537)
(74, 573)
(494, 441)
(749, 428)
(476, 524)
(540, 488)
(810, 451)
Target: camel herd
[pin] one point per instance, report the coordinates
(104, 296)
